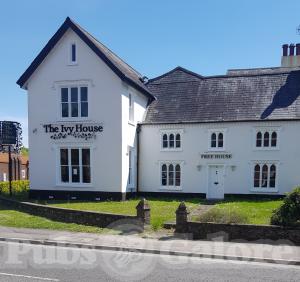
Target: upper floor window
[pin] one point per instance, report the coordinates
(74, 102)
(170, 175)
(264, 175)
(217, 140)
(73, 54)
(131, 107)
(171, 140)
(266, 139)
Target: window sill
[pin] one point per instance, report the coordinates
(74, 185)
(171, 150)
(266, 149)
(264, 190)
(216, 149)
(170, 188)
(72, 64)
(131, 123)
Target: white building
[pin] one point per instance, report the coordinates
(98, 129)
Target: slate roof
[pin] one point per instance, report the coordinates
(122, 69)
(242, 95)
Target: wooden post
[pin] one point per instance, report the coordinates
(143, 211)
(9, 170)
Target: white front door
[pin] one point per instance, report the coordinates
(215, 182)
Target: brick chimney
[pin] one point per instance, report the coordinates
(289, 59)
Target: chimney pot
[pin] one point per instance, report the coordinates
(298, 49)
(292, 49)
(285, 48)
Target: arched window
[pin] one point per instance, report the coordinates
(274, 139)
(264, 176)
(171, 140)
(177, 175)
(272, 176)
(171, 175)
(178, 140)
(258, 139)
(164, 175)
(213, 140)
(220, 140)
(257, 176)
(266, 139)
(165, 141)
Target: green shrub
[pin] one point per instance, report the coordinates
(220, 215)
(288, 214)
(20, 188)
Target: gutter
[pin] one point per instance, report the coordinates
(138, 130)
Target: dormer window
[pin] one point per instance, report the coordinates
(73, 54)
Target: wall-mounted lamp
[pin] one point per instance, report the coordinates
(199, 167)
(34, 131)
(233, 167)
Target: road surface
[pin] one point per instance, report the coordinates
(24, 262)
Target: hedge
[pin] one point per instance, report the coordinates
(20, 188)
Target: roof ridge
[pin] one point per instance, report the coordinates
(173, 70)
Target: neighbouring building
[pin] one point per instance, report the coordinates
(19, 166)
(98, 128)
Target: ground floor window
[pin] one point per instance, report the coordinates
(75, 165)
(170, 175)
(265, 175)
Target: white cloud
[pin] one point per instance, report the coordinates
(24, 124)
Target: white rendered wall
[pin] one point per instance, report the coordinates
(129, 132)
(239, 141)
(105, 90)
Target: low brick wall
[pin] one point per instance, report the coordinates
(75, 216)
(230, 232)
(243, 232)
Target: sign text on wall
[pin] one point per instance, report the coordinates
(78, 130)
(216, 156)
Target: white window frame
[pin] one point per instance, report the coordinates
(80, 184)
(270, 130)
(173, 187)
(4, 176)
(71, 62)
(23, 173)
(217, 131)
(168, 132)
(265, 189)
(131, 108)
(78, 86)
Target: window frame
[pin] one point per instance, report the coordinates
(168, 132)
(167, 186)
(69, 147)
(270, 130)
(267, 189)
(69, 102)
(130, 108)
(217, 132)
(70, 60)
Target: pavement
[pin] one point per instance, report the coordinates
(281, 252)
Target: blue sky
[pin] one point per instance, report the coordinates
(207, 37)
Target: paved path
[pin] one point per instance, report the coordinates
(24, 262)
(283, 254)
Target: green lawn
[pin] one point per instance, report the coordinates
(257, 211)
(162, 209)
(13, 218)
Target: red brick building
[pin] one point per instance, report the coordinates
(20, 167)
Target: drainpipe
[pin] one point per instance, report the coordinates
(138, 130)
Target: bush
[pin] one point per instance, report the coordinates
(219, 215)
(20, 188)
(288, 214)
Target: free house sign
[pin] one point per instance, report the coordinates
(76, 130)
